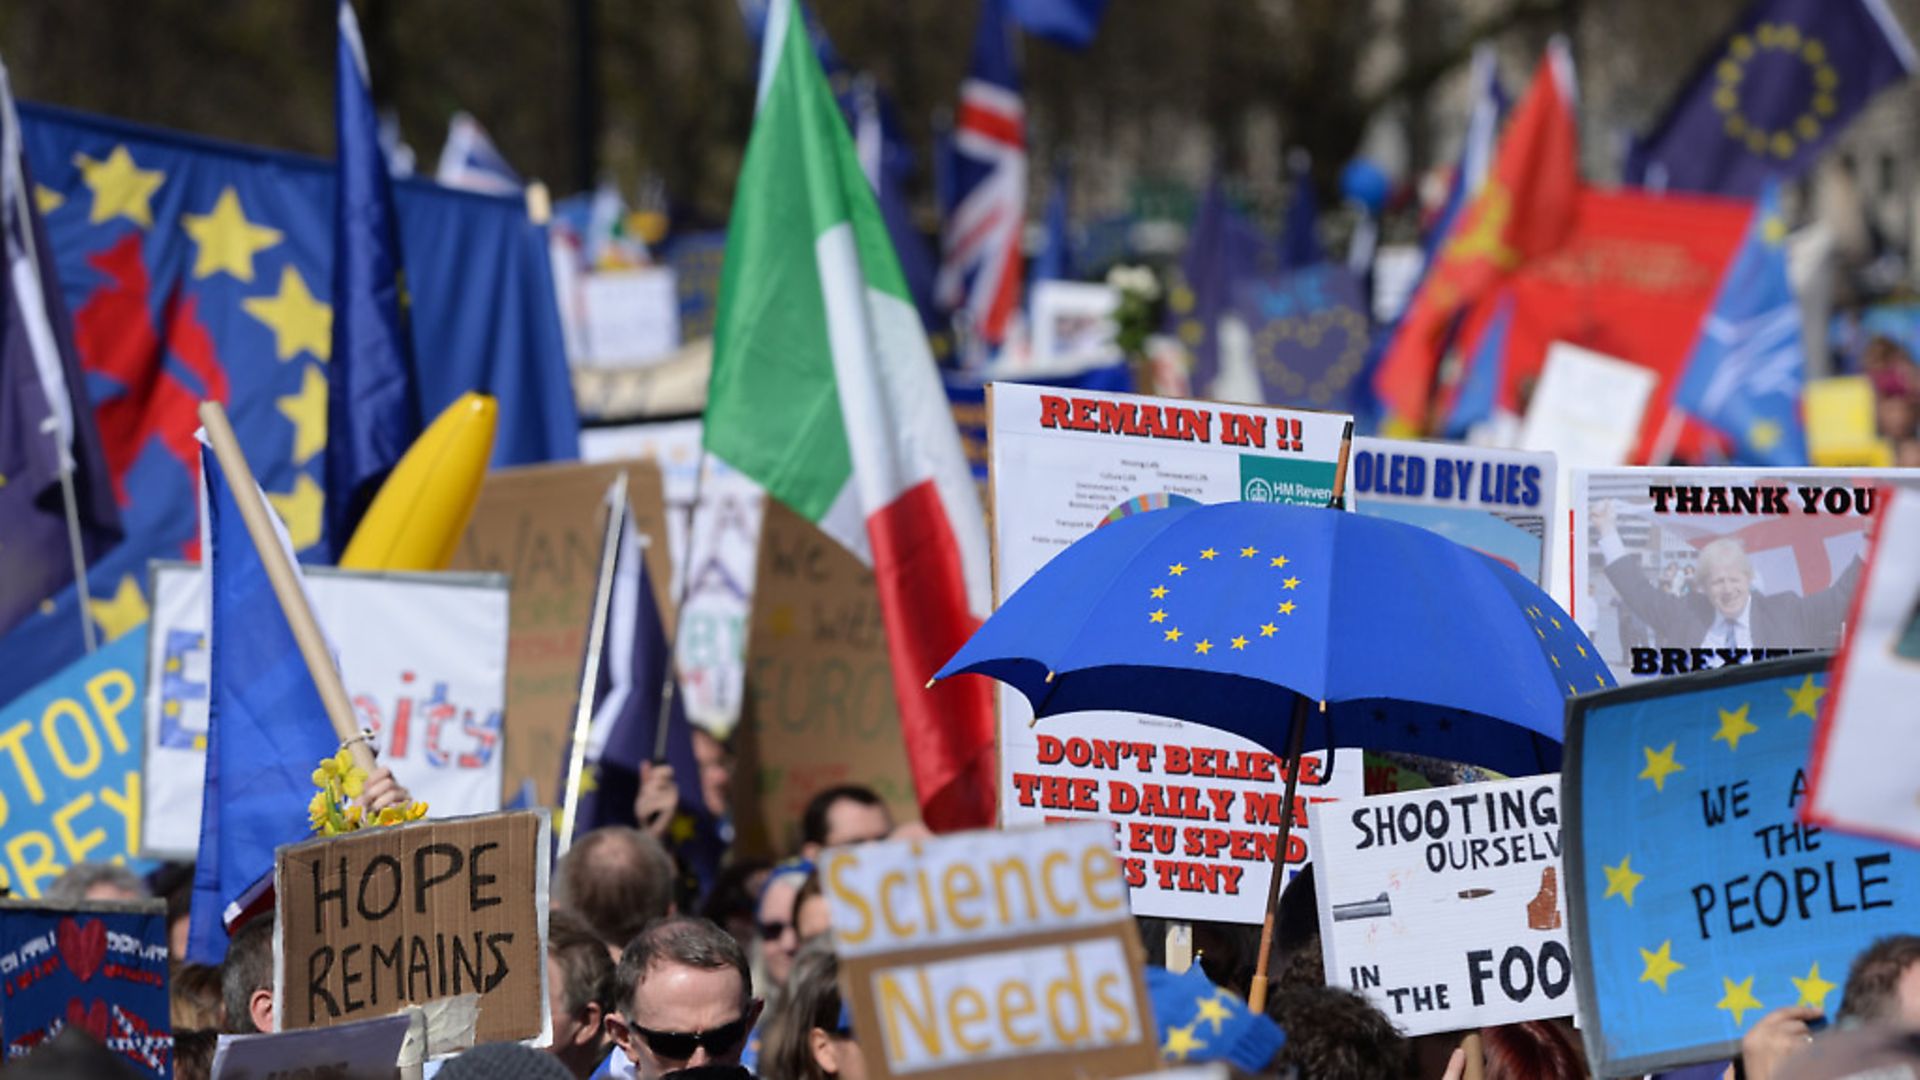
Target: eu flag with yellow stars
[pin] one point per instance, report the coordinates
(1697, 900)
(1783, 83)
(195, 270)
(1311, 335)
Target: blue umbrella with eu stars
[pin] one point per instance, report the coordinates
(1242, 615)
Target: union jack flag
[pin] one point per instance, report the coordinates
(985, 200)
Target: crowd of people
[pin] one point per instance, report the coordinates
(649, 979)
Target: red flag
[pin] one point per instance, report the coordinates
(1634, 277)
(1522, 213)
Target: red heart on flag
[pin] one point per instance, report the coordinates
(83, 947)
(93, 1020)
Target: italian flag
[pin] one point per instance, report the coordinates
(825, 392)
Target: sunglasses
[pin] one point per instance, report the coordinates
(680, 1045)
(772, 931)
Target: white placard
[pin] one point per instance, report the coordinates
(1063, 462)
(1497, 502)
(1587, 407)
(630, 317)
(424, 657)
(1073, 326)
(357, 1050)
(1444, 907)
(710, 652)
(1194, 812)
(1658, 554)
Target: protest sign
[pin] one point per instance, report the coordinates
(710, 652)
(543, 526)
(1680, 570)
(1065, 462)
(990, 954)
(1696, 900)
(88, 964)
(629, 317)
(424, 659)
(1841, 427)
(361, 1050)
(1309, 334)
(70, 777)
(1497, 502)
(1587, 407)
(819, 692)
(1443, 907)
(1853, 782)
(1194, 812)
(403, 915)
(1073, 325)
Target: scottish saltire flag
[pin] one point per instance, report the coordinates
(266, 730)
(985, 202)
(1311, 335)
(1747, 373)
(627, 699)
(1786, 80)
(470, 161)
(824, 390)
(196, 269)
(46, 428)
(1223, 249)
(373, 397)
(1072, 23)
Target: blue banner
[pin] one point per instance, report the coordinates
(1698, 903)
(70, 776)
(98, 967)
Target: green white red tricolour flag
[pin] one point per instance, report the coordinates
(824, 391)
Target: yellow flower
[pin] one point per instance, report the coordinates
(353, 782)
(416, 811)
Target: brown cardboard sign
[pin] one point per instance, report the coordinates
(543, 526)
(991, 954)
(819, 706)
(383, 918)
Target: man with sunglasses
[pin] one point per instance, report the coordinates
(684, 997)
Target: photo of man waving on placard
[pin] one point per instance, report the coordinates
(1685, 570)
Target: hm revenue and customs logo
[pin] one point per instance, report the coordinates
(1284, 480)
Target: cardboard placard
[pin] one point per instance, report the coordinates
(1648, 544)
(1697, 901)
(1066, 461)
(1443, 907)
(404, 915)
(1194, 813)
(819, 707)
(424, 657)
(361, 1050)
(719, 556)
(96, 965)
(543, 526)
(1855, 784)
(1497, 502)
(991, 954)
(70, 785)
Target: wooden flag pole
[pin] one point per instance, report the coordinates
(286, 587)
(590, 663)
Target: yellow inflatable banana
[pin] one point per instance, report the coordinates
(416, 519)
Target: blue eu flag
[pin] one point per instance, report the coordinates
(1223, 249)
(1310, 335)
(1748, 371)
(1786, 80)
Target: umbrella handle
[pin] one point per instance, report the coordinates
(1296, 738)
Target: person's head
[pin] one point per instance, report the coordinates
(844, 814)
(716, 771)
(173, 882)
(618, 880)
(1335, 1034)
(734, 902)
(491, 1060)
(1883, 986)
(246, 978)
(774, 919)
(193, 1053)
(193, 997)
(811, 918)
(1535, 1050)
(580, 991)
(1897, 416)
(1726, 576)
(809, 1035)
(97, 881)
(684, 997)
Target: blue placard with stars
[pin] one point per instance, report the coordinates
(1697, 901)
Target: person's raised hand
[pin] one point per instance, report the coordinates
(653, 807)
(1777, 1036)
(1605, 515)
